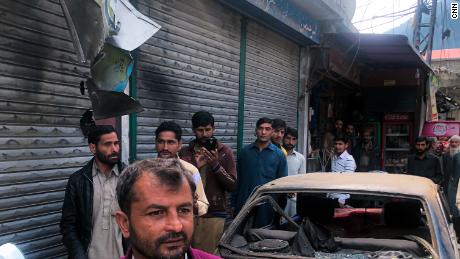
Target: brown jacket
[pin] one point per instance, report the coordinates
(216, 180)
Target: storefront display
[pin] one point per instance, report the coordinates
(397, 139)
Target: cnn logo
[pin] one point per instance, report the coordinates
(454, 10)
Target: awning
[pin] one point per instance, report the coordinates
(441, 128)
(379, 50)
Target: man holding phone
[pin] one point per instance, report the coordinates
(217, 167)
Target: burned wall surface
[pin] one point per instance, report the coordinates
(40, 107)
(191, 64)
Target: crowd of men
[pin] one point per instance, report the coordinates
(432, 159)
(162, 207)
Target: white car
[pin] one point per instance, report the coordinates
(385, 216)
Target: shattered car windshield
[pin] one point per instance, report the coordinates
(366, 226)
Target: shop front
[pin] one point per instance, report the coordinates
(386, 100)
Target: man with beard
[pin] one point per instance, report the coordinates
(88, 224)
(350, 134)
(295, 163)
(279, 129)
(447, 165)
(338, 130)
(168, 142)
(366, 154)
(258, 163)
(424, 164)
(156, 197)
(451, 166)
(218, 172)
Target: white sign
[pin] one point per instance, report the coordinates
(454, 10)
(440, 129)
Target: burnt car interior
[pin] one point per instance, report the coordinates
(367, 227)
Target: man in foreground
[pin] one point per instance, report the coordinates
(156, 197)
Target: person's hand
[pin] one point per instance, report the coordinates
(291, 195)
(200, 159)
(212, 157)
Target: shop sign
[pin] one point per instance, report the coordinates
(397, 117)
(441, 129)
(389, 82)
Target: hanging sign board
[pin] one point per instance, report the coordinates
(441, 128)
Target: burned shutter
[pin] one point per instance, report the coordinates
(191, 64)
(272, 73)
(40, 140)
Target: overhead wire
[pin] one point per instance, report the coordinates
(396, 15)
(386, 15)
(387, 22)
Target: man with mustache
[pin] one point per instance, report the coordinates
(168, 142)
(156, 201)
(258, 163)
(218, 173)
(451, 166)
(295, 163)
(424, 164)
(279, 129)
(88, 224)
(447, 165)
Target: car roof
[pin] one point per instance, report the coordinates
(357, 182)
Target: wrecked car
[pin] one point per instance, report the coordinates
(384, 216)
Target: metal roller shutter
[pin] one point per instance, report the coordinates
(272, 76)
(40, 107)
(191, 64)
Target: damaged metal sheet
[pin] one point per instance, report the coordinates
(112, 68)
(107, 104)
(103, 32)
(86, 25)
(134, 28)
(94, 22)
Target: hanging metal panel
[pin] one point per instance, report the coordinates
(191, 64)
(40, 107)
(272, 76)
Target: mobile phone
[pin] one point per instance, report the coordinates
(210, 144)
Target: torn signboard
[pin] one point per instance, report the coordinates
(103, 32)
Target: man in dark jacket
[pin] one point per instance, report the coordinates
(88, 224)
(366, 154)
(448, 167)
(218, 173)
(424, 164)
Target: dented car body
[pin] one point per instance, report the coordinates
(385, 216)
